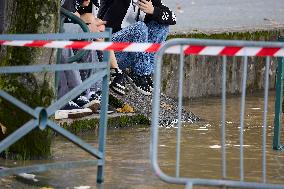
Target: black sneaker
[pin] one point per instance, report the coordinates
(117, 81)
(140, 83)
(82, 101)
(95, 101)
(97, 96)
(72, 107)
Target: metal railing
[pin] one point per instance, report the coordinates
(250, 48)
(41, 115)
(278, 103)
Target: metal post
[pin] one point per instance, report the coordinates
(243, 99)
(223, 134)
(103, 116)
(278, 103)
(266, 87)
(180, 95)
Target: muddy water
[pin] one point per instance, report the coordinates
(127, 160)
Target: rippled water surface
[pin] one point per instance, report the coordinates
(127, 151)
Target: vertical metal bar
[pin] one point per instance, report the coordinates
(278, 104)
(103, 115)
(242, 118)
(180, 95)
(223, 134)
(266, 87)
(57, 74)
(189, 185)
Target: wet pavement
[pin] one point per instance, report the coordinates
(223, 15)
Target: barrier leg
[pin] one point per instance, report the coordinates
(278, 105)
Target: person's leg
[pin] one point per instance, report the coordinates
(137, 61)
(157, 34)
(62, 85)
(67, 79)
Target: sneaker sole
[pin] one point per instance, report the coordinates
(108, 112)
(137, 88)
(79, 115)
(75, 113)
(118, 91)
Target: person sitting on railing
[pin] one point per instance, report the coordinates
(83, 9)
(70, 79)
(142, 21)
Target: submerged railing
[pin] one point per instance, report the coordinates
(214, 48)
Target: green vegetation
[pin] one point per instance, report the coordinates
(119, 121)
(30, 16)
(245, 35)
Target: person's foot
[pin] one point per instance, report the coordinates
(95, 101)
(96, 96)
(72, 110)
(141, 83)
(82, 101)
(117, 81)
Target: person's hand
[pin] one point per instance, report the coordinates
(146, 6)
(100, 24)
(93, 27)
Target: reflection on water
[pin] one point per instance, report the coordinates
(128, 164)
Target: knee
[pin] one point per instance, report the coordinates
(155, 26)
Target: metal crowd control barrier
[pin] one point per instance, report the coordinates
(41, 114)
(278, 103)
(215, 47)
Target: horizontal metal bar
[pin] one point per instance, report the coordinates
(57, 36)
(49, 166)
(211, 42)
(52, 68)
(235, 184)
(76, 140)
(219, 183)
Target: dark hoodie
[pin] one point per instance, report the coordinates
(115, 12)
(75, 6)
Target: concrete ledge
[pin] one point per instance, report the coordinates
(115, 120)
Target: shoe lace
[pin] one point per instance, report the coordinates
(83, 98)
(96, 95)
(71, 103)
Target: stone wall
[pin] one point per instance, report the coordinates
(203, 74)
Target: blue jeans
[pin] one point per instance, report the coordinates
(141, 63)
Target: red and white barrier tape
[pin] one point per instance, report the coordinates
(151, 47)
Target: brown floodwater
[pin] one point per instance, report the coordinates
(127, 151)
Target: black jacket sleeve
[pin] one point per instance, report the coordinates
(162, 14)
(113, 12)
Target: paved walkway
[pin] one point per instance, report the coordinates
(226, 15)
